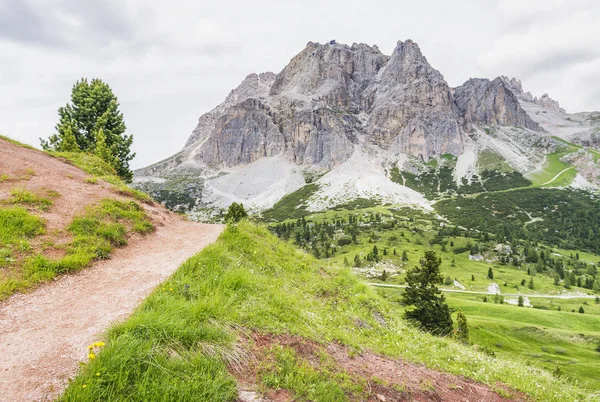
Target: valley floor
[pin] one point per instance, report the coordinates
(45, 333)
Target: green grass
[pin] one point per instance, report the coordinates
(553, 166)
(95, 234)
(286, 370)
(291, 206)
(19, 196)
(18, 225)
(180, 341)
(545, 338)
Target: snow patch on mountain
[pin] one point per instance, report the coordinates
(362, 176)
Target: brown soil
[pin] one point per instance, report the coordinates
(45, 333)
(38, 172)
(387, 379)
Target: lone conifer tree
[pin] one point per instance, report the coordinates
(430, 311)
(462, 332)
(235, 213)
(94, 109)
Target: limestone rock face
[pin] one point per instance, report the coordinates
(484, 102)
(332, 99)
(546, 101)
(410, 106)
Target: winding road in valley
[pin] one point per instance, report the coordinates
(44, 334)
(386, 285)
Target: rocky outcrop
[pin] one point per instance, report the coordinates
(517, 89)
(410, 107)
(484, 102)
(549, 103)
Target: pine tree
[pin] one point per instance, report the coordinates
(102, 151)
(530, 285)
(236, 212)
(404, 256)
(68, 143)
(473, 277)
(462, 332)
(490, 273)
(430, 310)
(520, 301)
(581, 310)
(93, 107)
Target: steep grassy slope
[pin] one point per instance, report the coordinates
(57, 218)
(187, 339)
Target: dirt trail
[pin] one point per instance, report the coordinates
(44, 334)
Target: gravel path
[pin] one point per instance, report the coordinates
(44, 334)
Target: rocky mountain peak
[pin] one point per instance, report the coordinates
(546, 101)
(484, 102)
(332, 99)
(331, 72)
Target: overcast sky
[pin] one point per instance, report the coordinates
(170, 61)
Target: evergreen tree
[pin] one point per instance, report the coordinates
(530, 285)
(581, 310)
(236, 212)
(520, 301)
(404, 256)
(462, 332)
(93, 108)
(490, 273)
(473, 277)
(102, 151)
(430, 310)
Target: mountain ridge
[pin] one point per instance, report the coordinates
(333, 100)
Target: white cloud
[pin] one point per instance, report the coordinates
(168, 62)
(551, 46)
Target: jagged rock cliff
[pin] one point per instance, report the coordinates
(481, 101)
(330, 98)
(335, 105)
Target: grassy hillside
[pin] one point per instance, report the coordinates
(39, 236)
(191, 336)
(341, 238)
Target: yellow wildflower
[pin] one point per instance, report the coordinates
(84, 386)
(171, 289)
(98, 374)
(92, 356)
(99, 344)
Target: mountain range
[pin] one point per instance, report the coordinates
(341, 122)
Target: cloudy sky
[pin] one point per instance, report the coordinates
(171, 61)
